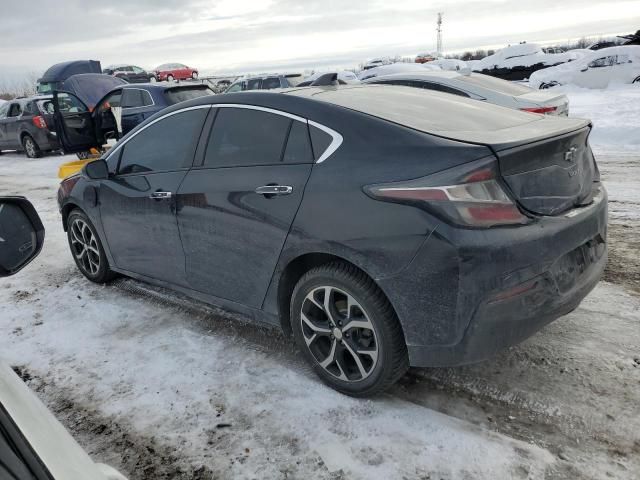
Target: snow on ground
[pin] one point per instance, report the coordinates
(161, 387)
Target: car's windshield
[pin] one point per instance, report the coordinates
(177, 95)
(496, 84)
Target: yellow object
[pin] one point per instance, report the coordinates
(70, 168)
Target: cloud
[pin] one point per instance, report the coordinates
(229, 35)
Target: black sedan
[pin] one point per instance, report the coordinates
(382, 226)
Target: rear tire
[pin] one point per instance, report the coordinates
(31, 148)
(86, 248)
(194, 75)
(348, 330)
(153, 79)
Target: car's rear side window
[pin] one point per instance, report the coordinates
(243, 137)
(298, 145)
(135, 97)
(320, 141)
(164, 146)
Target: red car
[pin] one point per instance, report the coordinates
(175, 71)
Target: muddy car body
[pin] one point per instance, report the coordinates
(449, 236)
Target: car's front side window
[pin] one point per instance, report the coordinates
(169, 144)
(3, 110)
(132, 98)
(236, 87)
(271, 83)
(15, 110)
(243, 137)
(254, 84)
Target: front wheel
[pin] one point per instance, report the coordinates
(348, 330)
(87, 249)
(169, 78)
(194, 75)
(153, 79)
(31, 148)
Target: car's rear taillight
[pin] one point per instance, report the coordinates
(67, 185)
(543, 110)
(39, 122)
(470, 196)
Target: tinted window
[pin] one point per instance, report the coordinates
(299, 144)
(132, 98)
(30, 109)
(438, 87)
(271, 82)
(14, 110)
(166, 145)
(236, 87)
(254, 84)
(178, 95)
(320, 141)
(137, 70)
(242, 137)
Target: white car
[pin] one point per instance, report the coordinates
(596, 70)
(481, 87)
(33, 444)
(397, 68)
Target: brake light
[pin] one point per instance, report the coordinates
(475, 197)
(67, 185)
(542, 110)
(39, 122)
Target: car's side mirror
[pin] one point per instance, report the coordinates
(97, 170)
(21, 234)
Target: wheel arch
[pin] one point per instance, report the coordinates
(294, 271)
(66, 210)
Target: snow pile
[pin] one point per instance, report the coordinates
(615, 113)
(451, 64)
(522, 55)
(596, 69)
(397, 68)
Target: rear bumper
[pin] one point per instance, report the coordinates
(469, 294)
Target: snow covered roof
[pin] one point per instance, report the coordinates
(397, 68)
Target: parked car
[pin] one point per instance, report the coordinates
(56, 74)
(174, 71)
(23, 126)
(265, 82)
(382, 226)
(130, 73)
(118, 112)
(399, 67)
(597, 70)
(481, 87)
(33, 444)
(602, 44)
(425, 58)
(376, 62)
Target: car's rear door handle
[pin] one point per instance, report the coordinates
(273, 190)
(160, 195)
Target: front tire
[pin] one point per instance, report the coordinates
(31, 148)
(169, 78)
(86, 248)
(348, 330)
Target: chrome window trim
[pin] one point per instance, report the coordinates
(170, 114)
(336, 141)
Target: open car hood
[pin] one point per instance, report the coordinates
(91, 87)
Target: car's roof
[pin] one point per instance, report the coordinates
(434, 74)
(161, 86)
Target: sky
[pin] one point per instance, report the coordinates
(225, 36)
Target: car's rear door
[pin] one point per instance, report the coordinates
(236, 208)
(138, 201)
(74, 123)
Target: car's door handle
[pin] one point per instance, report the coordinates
(160, 195)
(273, 190)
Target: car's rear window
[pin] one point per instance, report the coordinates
(497, 84)
(182, 94)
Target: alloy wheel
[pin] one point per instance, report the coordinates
(85, 247)
(30, 147)
(339, 334)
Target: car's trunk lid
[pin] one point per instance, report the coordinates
(551, 176)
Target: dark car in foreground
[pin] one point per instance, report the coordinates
(130, 73)
(117, 113)
(23, 126)
(382, 226)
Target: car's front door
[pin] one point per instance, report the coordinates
(236, 208)
(4, 109)
(11, 125)
(74, 123)
(138, 201)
